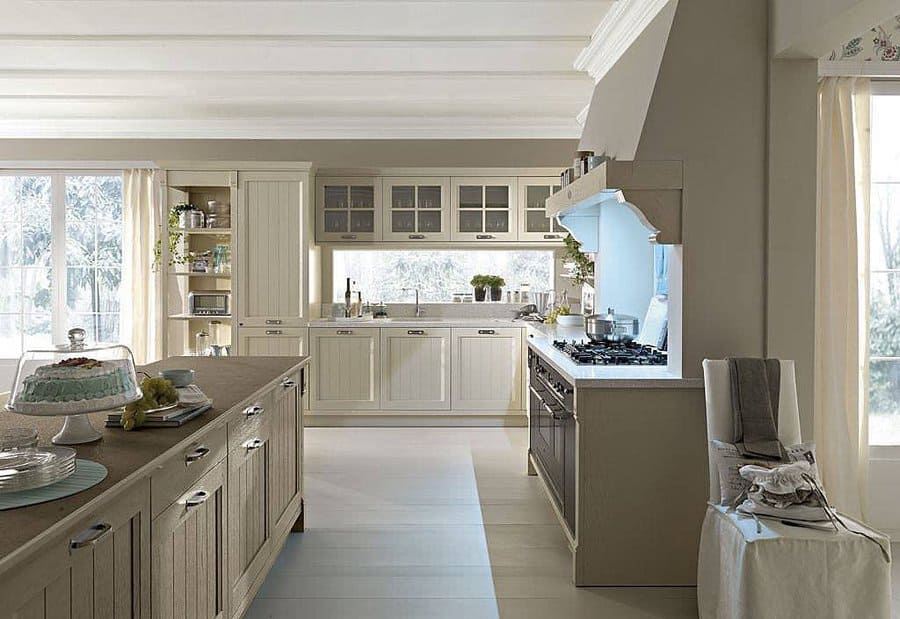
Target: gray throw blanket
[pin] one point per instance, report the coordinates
(755, 386)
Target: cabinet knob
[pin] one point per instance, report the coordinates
(253, 411)
(415, 332)
(198, 498)
(89, 536)
(486, 332)
(551, 236)
(348, 237)
(288, 383)
(344, 332)
(484, 237)
(417, 237)
(198, 453)
(274, 331)
(274, 322)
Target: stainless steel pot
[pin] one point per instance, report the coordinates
(611, 327)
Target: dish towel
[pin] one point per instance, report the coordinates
(755, 385)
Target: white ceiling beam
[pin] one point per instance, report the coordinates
(412, 18)
(323, 57)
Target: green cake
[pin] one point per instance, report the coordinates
(78, 385)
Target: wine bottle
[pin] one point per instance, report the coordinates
(348, 300)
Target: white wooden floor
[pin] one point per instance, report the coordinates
(434, 523)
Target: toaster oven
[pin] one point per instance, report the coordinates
(209, 302)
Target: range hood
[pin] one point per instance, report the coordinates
(651, 189)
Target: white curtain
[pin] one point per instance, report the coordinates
(841, 428)
(142, 322)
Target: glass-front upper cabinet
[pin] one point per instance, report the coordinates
(416, 209)
(534, 225)
(348, 209)
(484, 209)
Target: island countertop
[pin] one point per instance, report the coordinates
(228, 381)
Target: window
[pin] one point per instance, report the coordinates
(884, 273)
(383, 274)
(60, 258)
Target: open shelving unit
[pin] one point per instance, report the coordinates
(196, 187)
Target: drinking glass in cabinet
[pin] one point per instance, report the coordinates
(362, 221)
(536, 196)
(362, 197)
(537, 221)
(470, 221)
(335, 196)
(496, 197)
(429, 221)
(429, 197)
(403, 221)
(403, 197)
(496, 221)
(336, 221)
(470, 196)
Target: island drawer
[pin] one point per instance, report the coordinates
(182, 470)
(251, 422)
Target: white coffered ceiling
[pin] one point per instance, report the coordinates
(294, 68)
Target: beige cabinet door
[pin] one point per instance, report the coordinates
(345, 368)
(487, 370)
(99, 568)
(534, 225)
(272, 342)
(248, 516)
(415, 369)
(348, 209)
(270, 241)
(189, 552)
(416, 209)
(484, 209)
(285, 484)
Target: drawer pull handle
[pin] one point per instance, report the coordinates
(349, 237)
(274, 331)
(288, 383)
(253, 443)
(416, 237)
(484, 237)
(199, 453)
(274, 322)
(551, 236)
(198, 498)
(253, 411)
(344, 332)
(415, 332)
(486, 332)
(89, 536)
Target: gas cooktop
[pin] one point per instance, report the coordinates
(608, 353)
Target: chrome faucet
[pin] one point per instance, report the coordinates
(419, 310)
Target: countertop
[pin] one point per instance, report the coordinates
(406, 322)
(540, 339)
(130, 455)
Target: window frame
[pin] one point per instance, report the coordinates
(58, 304)
(879, 88)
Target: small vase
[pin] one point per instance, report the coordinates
(480, 293)
(496, 293)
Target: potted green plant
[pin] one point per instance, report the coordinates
(177, 255)
(481, 284)
(580, 265)
(496, 284)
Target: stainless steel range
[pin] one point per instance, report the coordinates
(611, 353)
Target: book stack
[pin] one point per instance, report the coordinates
(169, 418)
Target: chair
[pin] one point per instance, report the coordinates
(776, 570)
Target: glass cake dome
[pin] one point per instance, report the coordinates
(73, 380)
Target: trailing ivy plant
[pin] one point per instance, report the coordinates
(584, 267)
(177, 255)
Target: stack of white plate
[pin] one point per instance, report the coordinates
(34, 467)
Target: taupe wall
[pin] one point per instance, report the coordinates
(328, 153)
(709, 110)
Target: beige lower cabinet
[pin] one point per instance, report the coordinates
(287, 455)
(487, 369)
(345, 373)
(249, 518)
(189, 552)
(99, 568)
(415, 369)
(272, 341)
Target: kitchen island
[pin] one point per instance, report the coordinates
(188, 520)
(622, 454)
